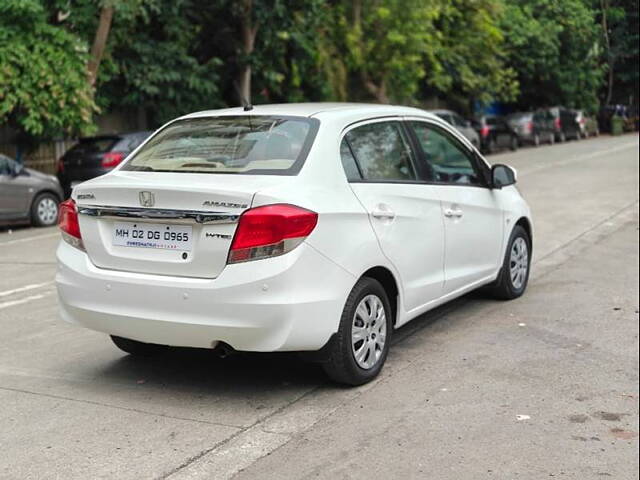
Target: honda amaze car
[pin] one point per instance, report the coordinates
(304, 227)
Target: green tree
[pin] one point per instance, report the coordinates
(43, 73)
(619, 29)
(553, 46)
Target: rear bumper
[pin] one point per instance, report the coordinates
(287, 303)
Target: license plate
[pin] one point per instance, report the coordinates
(152, 235)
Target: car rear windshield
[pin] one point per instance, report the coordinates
(251, 144)
(94, 145)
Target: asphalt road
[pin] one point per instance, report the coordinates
(545, 386)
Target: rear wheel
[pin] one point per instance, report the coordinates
(359, 349)
(136, 348)
(513, 145)
(44, 210)
(514, 275)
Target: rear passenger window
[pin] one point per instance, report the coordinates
(448, 162)
(348, 162)
(382, 152)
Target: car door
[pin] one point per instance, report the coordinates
(404, 211)
(14, 195)
(471, 211)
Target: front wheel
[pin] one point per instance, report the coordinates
(514, 276)
(359, 348)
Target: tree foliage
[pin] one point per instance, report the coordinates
(43, 82)
(553, 46)
(170, 57)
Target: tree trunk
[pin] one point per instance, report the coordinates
(248, 32)
(604, 7)
(99, 43)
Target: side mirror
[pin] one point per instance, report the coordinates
(502, 176)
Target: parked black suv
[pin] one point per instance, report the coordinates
(495, 133)
(95, 156)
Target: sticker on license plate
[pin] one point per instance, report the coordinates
(152, 235)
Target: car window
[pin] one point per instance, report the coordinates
(447, 160)
(249, 144)
(382, 151)
(458, 121)
(6, 165)
(349, 162)
(93, 145)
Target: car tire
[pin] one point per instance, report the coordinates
(514, 275)
(562, 137)
(513, 145)
(136, 348)
(491, 146)
(353, 360)
(44, 210)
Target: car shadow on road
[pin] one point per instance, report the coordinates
(204, 371)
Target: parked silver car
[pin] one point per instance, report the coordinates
(465, 127)
(27, 195)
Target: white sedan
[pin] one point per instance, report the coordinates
(302, 227)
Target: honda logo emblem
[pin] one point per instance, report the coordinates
(147, 199)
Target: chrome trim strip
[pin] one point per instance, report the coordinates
(159, 214)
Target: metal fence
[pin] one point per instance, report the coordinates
(44, 157)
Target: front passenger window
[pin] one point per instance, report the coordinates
(447, 160)
(382, 152)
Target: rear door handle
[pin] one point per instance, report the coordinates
(453, 213)
(383, 213)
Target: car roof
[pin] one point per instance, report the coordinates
(317, 109)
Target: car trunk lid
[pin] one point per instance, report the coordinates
(137, 221)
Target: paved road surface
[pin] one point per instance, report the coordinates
(546, 386)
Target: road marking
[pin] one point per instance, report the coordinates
(33, 286)
(31, 298)
(28, 239)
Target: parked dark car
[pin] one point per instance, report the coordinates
(465, 127)
(565, 124)
(27, 195)
(95, 156)
(495, 133)
(532, 127)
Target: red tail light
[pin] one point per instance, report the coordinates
(484, 131)
(557, 123)
(69, 225)
(112, 159)
(270, 231)
(530, 126)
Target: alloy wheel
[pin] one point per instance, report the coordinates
(368, 332)
(47, 211)
(519, 262)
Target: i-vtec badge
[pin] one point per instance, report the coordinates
(217, 235)
(214, 203)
